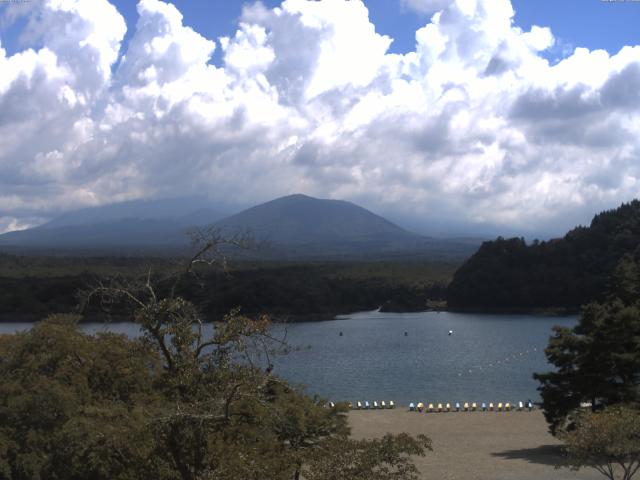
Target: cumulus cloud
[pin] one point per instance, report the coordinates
(473, 125)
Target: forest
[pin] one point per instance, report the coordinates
(560, 274)
(33, 287)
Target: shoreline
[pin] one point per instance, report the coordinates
(309, 318)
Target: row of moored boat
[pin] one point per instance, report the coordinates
(470, 407)
(375, 405)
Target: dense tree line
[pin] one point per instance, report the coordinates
(509, 274)
(286, 292)
(305, 293)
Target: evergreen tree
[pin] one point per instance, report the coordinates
(597, 361)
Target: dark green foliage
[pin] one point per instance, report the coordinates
(306, 292)
(507, 274)
(598, 361)
(74, 406)
(31, 288)
(31, 298)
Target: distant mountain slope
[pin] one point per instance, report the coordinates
(113, 234)
(145, 223)
(567, 272)
(186, 211)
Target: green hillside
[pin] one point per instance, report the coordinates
(508, 274)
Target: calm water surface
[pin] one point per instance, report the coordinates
(487, 358)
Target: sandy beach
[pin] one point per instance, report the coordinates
(475, 445)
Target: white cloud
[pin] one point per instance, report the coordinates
(475, 124)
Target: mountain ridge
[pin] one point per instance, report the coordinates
(293, 226)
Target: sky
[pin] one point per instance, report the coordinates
(460, 116)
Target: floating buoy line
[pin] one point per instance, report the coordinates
(508, 360)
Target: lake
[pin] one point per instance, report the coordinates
(487, 358)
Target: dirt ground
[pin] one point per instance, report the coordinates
(475, 445)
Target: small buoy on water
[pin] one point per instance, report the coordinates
(405, 334)
(340, 333)
(450, 332)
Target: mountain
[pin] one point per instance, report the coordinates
(508, 274)
(302, 226)
(291, 227)
(128, 225)
(299, 219)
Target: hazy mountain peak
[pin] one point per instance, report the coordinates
(301, 219)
